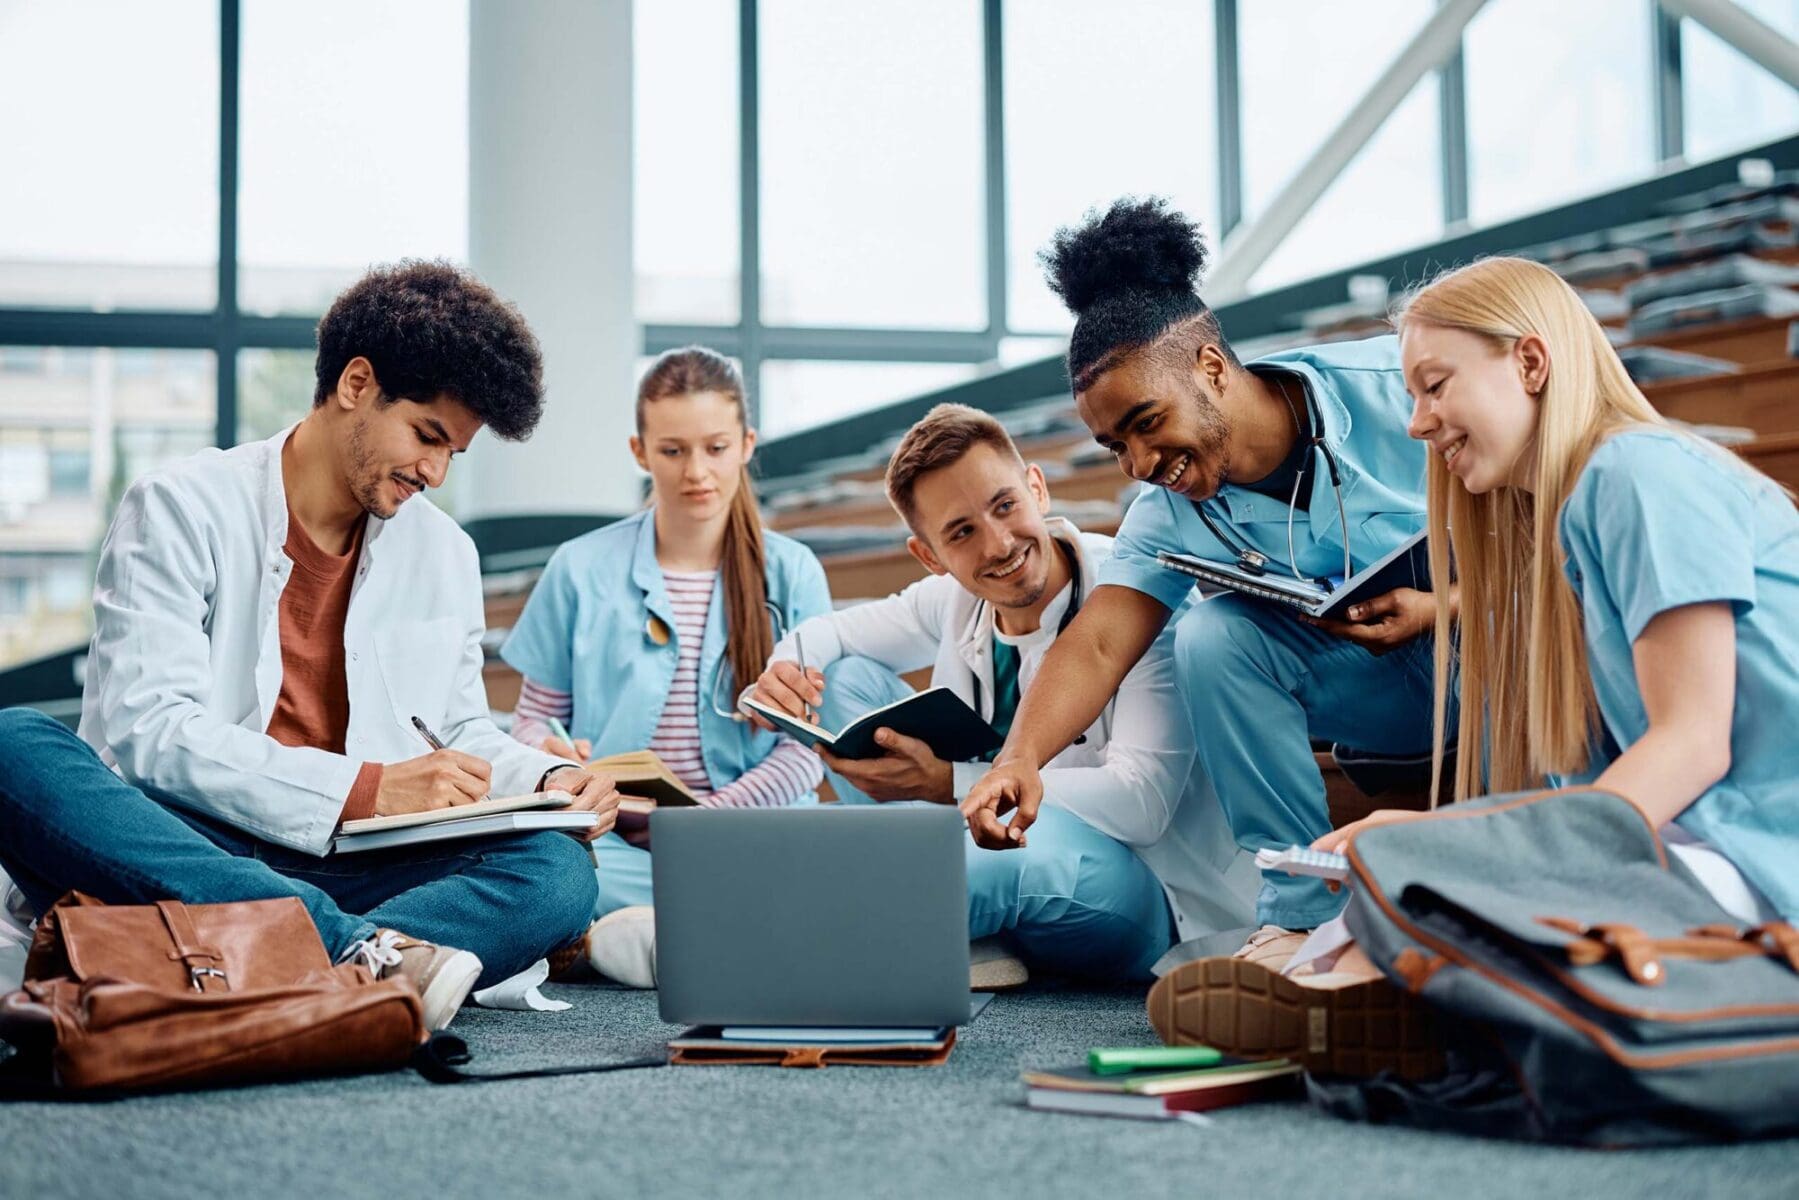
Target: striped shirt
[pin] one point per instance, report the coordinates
(786, 775)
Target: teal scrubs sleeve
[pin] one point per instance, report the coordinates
(1659, 523)
(540, 646)
(1148, 528)
(811, 592)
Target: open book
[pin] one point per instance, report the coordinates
(505, 814)
(936, 716)
(1407, 565)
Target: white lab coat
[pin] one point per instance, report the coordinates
(1133, 777)
(185, 664)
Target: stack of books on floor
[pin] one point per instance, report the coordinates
(1160, 1083)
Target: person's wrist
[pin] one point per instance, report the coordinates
(543, 784)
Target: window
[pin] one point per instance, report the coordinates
(871, 134)
(1730, 102)
(1101, 101)
(1390, 196)
(685, 162)
(74, 433)
(798, 395)
(110, 195)
(354, 136)
(1559, 102)
(274, 389)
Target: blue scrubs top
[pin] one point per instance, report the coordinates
(585, 631)
(1659, 520)
(1359, 393)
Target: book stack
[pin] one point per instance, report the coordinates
(1106, 1087)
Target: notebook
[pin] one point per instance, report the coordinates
(505, 814)
(936, 716)
(1160, 1095)
(1407, 565)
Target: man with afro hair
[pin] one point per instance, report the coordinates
(279, 631)
(1295, 464)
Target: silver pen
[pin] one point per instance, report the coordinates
(799, 646)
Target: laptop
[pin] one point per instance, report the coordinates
(833, 915)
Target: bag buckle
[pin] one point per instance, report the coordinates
(198, 976)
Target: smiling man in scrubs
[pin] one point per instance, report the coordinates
(1236, 455)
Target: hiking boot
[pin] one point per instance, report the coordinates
(1331, 1024)
(1271, 946)
(443, 975)
(622, 946)
(992, 967)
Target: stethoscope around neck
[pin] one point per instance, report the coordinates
(1252, 561)
(656, 632)
(1068, 614)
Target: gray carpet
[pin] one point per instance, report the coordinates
(688, 1131)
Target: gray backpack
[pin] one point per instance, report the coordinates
(1595, 992)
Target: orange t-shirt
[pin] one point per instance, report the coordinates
(313, 708)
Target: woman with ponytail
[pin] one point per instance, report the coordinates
(640, 635)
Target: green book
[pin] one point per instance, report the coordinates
(1122, 1059)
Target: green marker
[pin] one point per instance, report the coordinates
(1125, 1059)
(557, 729)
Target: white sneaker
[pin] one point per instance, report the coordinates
(992, 966)
(443, 975)
(622, 946)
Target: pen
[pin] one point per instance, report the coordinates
(435, 742)
(799, 646)
(560, 731)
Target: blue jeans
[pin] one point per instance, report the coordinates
(1259, 686)
(68, 823)
(1072, 901)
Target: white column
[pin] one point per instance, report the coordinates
(550, 229)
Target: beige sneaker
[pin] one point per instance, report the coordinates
(622, 946)
(1271, 946)
(1338, 1023)
(992, 967)
(443, 975)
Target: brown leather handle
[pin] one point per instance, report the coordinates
(1642, 955)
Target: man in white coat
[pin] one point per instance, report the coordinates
(268, 623)
(1132, 852)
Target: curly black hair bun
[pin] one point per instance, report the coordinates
(1136, 245)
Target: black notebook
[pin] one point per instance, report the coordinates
(937, 717)
(1407, 565)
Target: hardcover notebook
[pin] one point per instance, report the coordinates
(505, 814)
(936, 716)
(1407, 565)
(1161, 1095)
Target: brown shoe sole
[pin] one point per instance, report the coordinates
(1245, 1009)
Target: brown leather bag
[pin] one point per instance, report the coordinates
(171, 995)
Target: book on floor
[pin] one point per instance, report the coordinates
(503, 814)
(1407, 565)
(936, 716)
(1161, 1095)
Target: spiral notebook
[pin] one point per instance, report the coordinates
(1406, 565)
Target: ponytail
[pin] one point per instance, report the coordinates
(749, 634)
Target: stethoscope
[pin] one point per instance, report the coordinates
(1068, 615)
(1253, 561)
(657, 633)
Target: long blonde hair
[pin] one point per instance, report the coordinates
(1528, 708)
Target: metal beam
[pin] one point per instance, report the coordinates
(993, 112)
(749, 202)
(225, 344)
(1747, 34)
(1249, 246)
(1230, 116)
(1666, 71)
(1452, 119)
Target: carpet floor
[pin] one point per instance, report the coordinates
(747, 1132)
